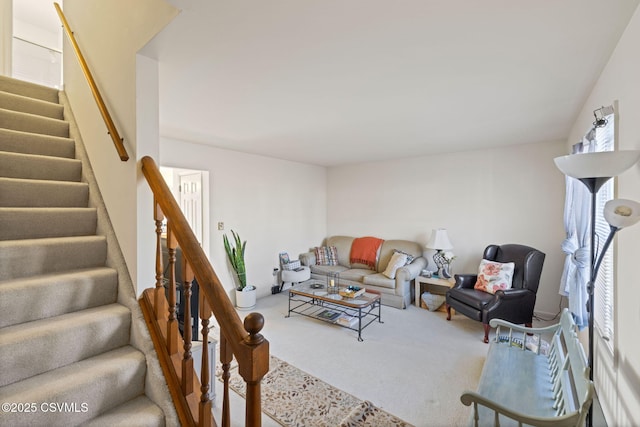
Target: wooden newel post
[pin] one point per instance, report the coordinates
(255, 368)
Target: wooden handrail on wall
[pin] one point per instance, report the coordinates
(242, 341)
(115, 136)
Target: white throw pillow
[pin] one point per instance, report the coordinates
(397, 260)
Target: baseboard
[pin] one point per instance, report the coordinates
(546, 316)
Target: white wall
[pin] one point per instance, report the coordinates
(505, 195)
(6, 36)
(275, 205)
(109, 45)
(620, 391)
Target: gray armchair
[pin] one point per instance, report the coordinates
(514, 305)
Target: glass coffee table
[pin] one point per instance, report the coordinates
(311, 299)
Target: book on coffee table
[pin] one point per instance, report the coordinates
(328, 314)
(346, 320)
(352, 291)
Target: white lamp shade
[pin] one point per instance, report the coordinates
(622, 213)
(597, 165)
(439, 240)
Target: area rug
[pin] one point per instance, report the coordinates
(295, 398)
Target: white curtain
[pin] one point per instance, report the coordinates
(576, 246)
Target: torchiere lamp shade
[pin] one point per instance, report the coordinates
(597, 165)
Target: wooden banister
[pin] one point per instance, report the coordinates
(207, 279)
(115, 136)
(240, 340)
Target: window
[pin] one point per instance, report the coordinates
(37, 64)
(603, 293)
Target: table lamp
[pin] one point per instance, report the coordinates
(439, 241)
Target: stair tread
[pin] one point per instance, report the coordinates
(65, 339)
(46, 182)
(99, 384)
(139, 412)
(36, 166)
(52, 240)
(18, 192)
(63, 332)
(33, 223)
(50, 295)
(32, 90)
(65, 376)
(60, 275)
(44, 210)
(27, 104)
(34, 143)
(27, 122)
(28, 257)
(26, 331)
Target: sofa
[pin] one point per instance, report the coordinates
(395, 292)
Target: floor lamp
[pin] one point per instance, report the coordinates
(594, 170)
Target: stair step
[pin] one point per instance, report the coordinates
(25, 104)
(26, 122)
(31, 257)
(55, 294)
(139, 412)
(33, 143)
(47, 344)
(32, 90)
(16, 192)
(63, 334)
(31, 166)
(89, 388)
(38, 223)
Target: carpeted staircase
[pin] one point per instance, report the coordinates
(65, 335)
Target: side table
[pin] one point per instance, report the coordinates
(434, 285)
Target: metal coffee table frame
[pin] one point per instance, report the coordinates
(304, 302)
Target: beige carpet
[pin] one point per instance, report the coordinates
(415, 365)
(293, 397)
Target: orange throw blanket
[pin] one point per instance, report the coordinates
(364, 250)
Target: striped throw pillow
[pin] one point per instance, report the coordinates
(326, 255)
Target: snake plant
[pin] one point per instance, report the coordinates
(235, 254)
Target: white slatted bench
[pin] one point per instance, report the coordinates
(523, 387)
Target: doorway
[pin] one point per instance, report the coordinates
(190, 188)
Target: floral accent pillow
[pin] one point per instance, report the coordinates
(494, 276)
(326, 255)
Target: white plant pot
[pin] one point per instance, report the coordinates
(246, 299)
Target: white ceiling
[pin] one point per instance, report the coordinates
(330, 82)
